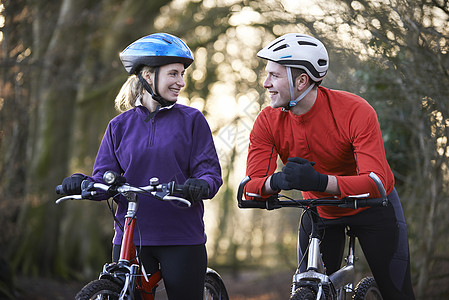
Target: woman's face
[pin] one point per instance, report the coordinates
(170, 81)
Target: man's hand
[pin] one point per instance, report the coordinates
(300, 175)
(278, 182)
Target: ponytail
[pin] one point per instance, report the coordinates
(131, 90)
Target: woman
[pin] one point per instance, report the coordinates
(156, 137)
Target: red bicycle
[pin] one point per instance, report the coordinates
(124, 279)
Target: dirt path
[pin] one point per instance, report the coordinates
(244, 286)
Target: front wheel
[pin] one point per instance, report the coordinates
(214, 288)
(304, 293)
(367, 289)
(101, 289)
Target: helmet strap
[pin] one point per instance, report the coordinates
(155, 94)
(294, 101)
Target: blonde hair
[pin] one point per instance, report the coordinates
(131, 90)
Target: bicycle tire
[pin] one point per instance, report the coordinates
(303, 293)
(367, 289)
(214, 288)
(104, 288)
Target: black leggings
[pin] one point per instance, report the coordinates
(382, 234)
(183, 268)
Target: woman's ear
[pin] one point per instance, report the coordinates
(148, 76)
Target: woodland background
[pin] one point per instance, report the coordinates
(60, 72)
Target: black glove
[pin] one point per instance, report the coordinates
(278, 182)
(72, 185)
(195, 189)
(300, 174)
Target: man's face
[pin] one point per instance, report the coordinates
(277, 84)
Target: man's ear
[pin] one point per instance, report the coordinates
(302, 81)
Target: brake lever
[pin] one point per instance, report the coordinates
(160, 194)
(164, 194)
(69, 197)
(87, 189)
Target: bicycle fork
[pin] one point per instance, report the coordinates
(129, 284)
(315, 274)
(337, 284)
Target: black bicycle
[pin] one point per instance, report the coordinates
(314, 283)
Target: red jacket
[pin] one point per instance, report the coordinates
(340, 133)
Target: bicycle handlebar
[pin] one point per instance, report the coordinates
(273, 201)
(118, 185)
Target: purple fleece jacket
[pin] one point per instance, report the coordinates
(173, 144)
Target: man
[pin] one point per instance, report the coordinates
(329, 142)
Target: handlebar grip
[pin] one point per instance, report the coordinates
(373, 202)
(252, 204)
(248, 203)
(379, 185)
(60, 190)
(175, 188)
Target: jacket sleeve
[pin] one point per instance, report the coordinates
(106, 159)
(204, 163)
(262, 156)
(369, 154)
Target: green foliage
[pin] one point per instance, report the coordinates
(407, 82)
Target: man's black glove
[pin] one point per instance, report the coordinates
(279, 182)
(72, 185)
(300, 174)
(195, 189)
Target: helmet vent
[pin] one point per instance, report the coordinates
(280, 47)
(167, 41)
(322, 62)
(274, 44)
(305, 43)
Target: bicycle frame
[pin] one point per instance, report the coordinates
(129, 262)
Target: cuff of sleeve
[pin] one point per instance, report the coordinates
(255, 186)
(322, 185)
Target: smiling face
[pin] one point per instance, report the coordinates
(170, 81)
(277, 84)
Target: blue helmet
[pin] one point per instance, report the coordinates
(155, 50)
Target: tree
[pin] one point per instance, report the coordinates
(407, 81)
(52, 54)
(60, 72)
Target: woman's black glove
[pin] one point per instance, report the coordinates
(299, 174)
(72, 185)
(195, 189)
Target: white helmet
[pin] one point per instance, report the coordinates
(298, 51)
(294, 50)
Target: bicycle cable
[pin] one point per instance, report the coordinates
(111, 209)
(304, 255)
(310, 211)
(139, 248)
